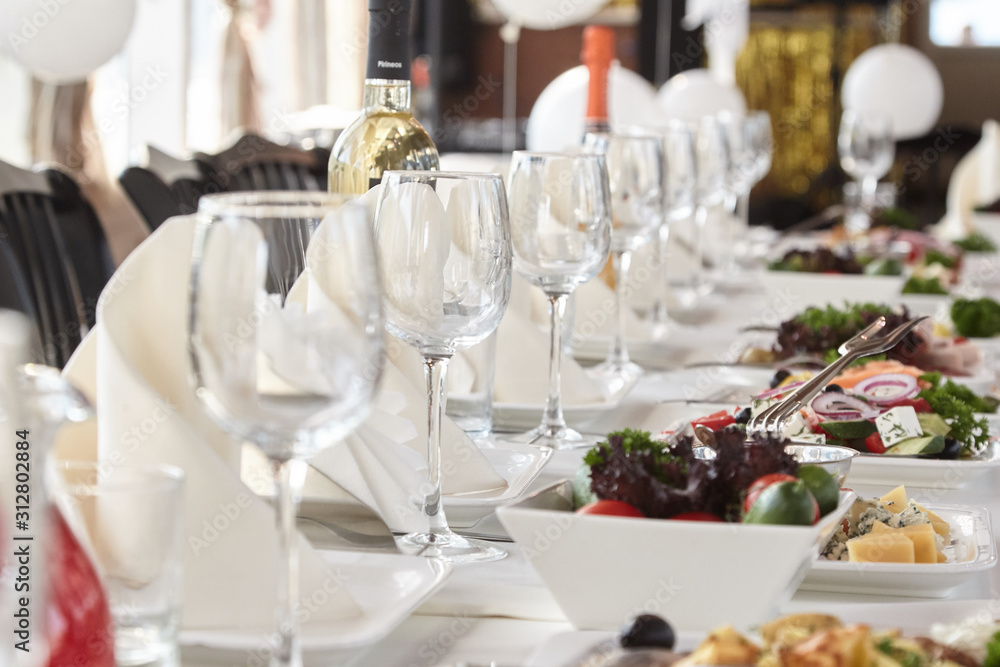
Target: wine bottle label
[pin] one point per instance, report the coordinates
(389, 39)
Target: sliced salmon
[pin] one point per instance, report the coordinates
(856, 374)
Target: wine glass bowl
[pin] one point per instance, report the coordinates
(285, 341)
(285, 350)
(560, 211)
(559, 219)
(867, 148)
(445, 249)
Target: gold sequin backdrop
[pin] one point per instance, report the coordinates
(787, 69)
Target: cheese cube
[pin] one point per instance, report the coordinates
(758, 405)
(924, 543)
(941, 527)
(879, 527)
(798, 429)
(895, 501)
(898, 424)
(885, 547)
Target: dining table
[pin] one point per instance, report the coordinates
(501, 613)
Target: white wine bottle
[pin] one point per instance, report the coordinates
(386, 135)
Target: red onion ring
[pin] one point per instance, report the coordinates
(905, 387)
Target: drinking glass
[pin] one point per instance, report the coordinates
(867, 149)
(680, 180)
(286, 340)
(133, 519)
(711, 169)
(635, 175)
(560, 219)
(750, 146)
(444, 244)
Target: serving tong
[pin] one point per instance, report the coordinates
(772, 420)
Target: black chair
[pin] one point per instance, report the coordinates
(166, 186)
(57, 243)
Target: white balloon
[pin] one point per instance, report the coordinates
(62, 41)
(899, 81)
(690, 95)
(548, 14)
(557, 120)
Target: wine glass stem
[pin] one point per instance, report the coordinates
(660, 314)
(698, 245)
(553, 417)
(289, 477)
(435, 372)
(620, 260)
(869, 191)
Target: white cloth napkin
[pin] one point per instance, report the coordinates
(975, 182)
(147, 413)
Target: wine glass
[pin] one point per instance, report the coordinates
(560, 219)
(750, 145)
(679, 190)
(635, 174)
(867, 149)
(711, 168)
(444, 243)
(285, 339)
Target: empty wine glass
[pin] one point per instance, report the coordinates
(711, 169)
(635, 174)
(445, 249)
(560, 219)
(285, 340)
(749, 143)
(679, 189)
(867, 149)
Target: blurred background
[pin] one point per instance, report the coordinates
(194, 74)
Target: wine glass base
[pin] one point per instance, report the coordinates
(448, 546)
(556, 438)
(614, 375)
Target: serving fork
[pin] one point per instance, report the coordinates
(772, 420)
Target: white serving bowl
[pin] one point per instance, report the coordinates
(800, 290)
(604, 570)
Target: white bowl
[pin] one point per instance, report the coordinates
(798, 290)
(604, 570)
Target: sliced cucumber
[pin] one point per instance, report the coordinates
(933, 424)
(851, 429)
(925, 444)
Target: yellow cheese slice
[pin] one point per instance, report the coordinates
(895, 501)
(883, 547)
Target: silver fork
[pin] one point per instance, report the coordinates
(772, 420)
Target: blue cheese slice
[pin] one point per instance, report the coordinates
(898, 424)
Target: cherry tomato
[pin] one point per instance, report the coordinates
(696, 516)
(611, 508)
(762, 483)
(874, 444)
(715, 421)
(918, 404)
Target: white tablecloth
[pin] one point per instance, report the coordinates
(501, 614)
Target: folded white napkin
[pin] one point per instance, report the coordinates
(975, 182)
(148, 413)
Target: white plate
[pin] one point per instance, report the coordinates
(518, 464)
(927, 473)
(523, 416)
(972, 550)
(821, 289)
(387, 587)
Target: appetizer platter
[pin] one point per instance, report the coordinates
(794, 640)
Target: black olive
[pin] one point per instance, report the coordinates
(648, 631)
(743, 416)
(952, 449)
(835, 388)
(779, 377)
